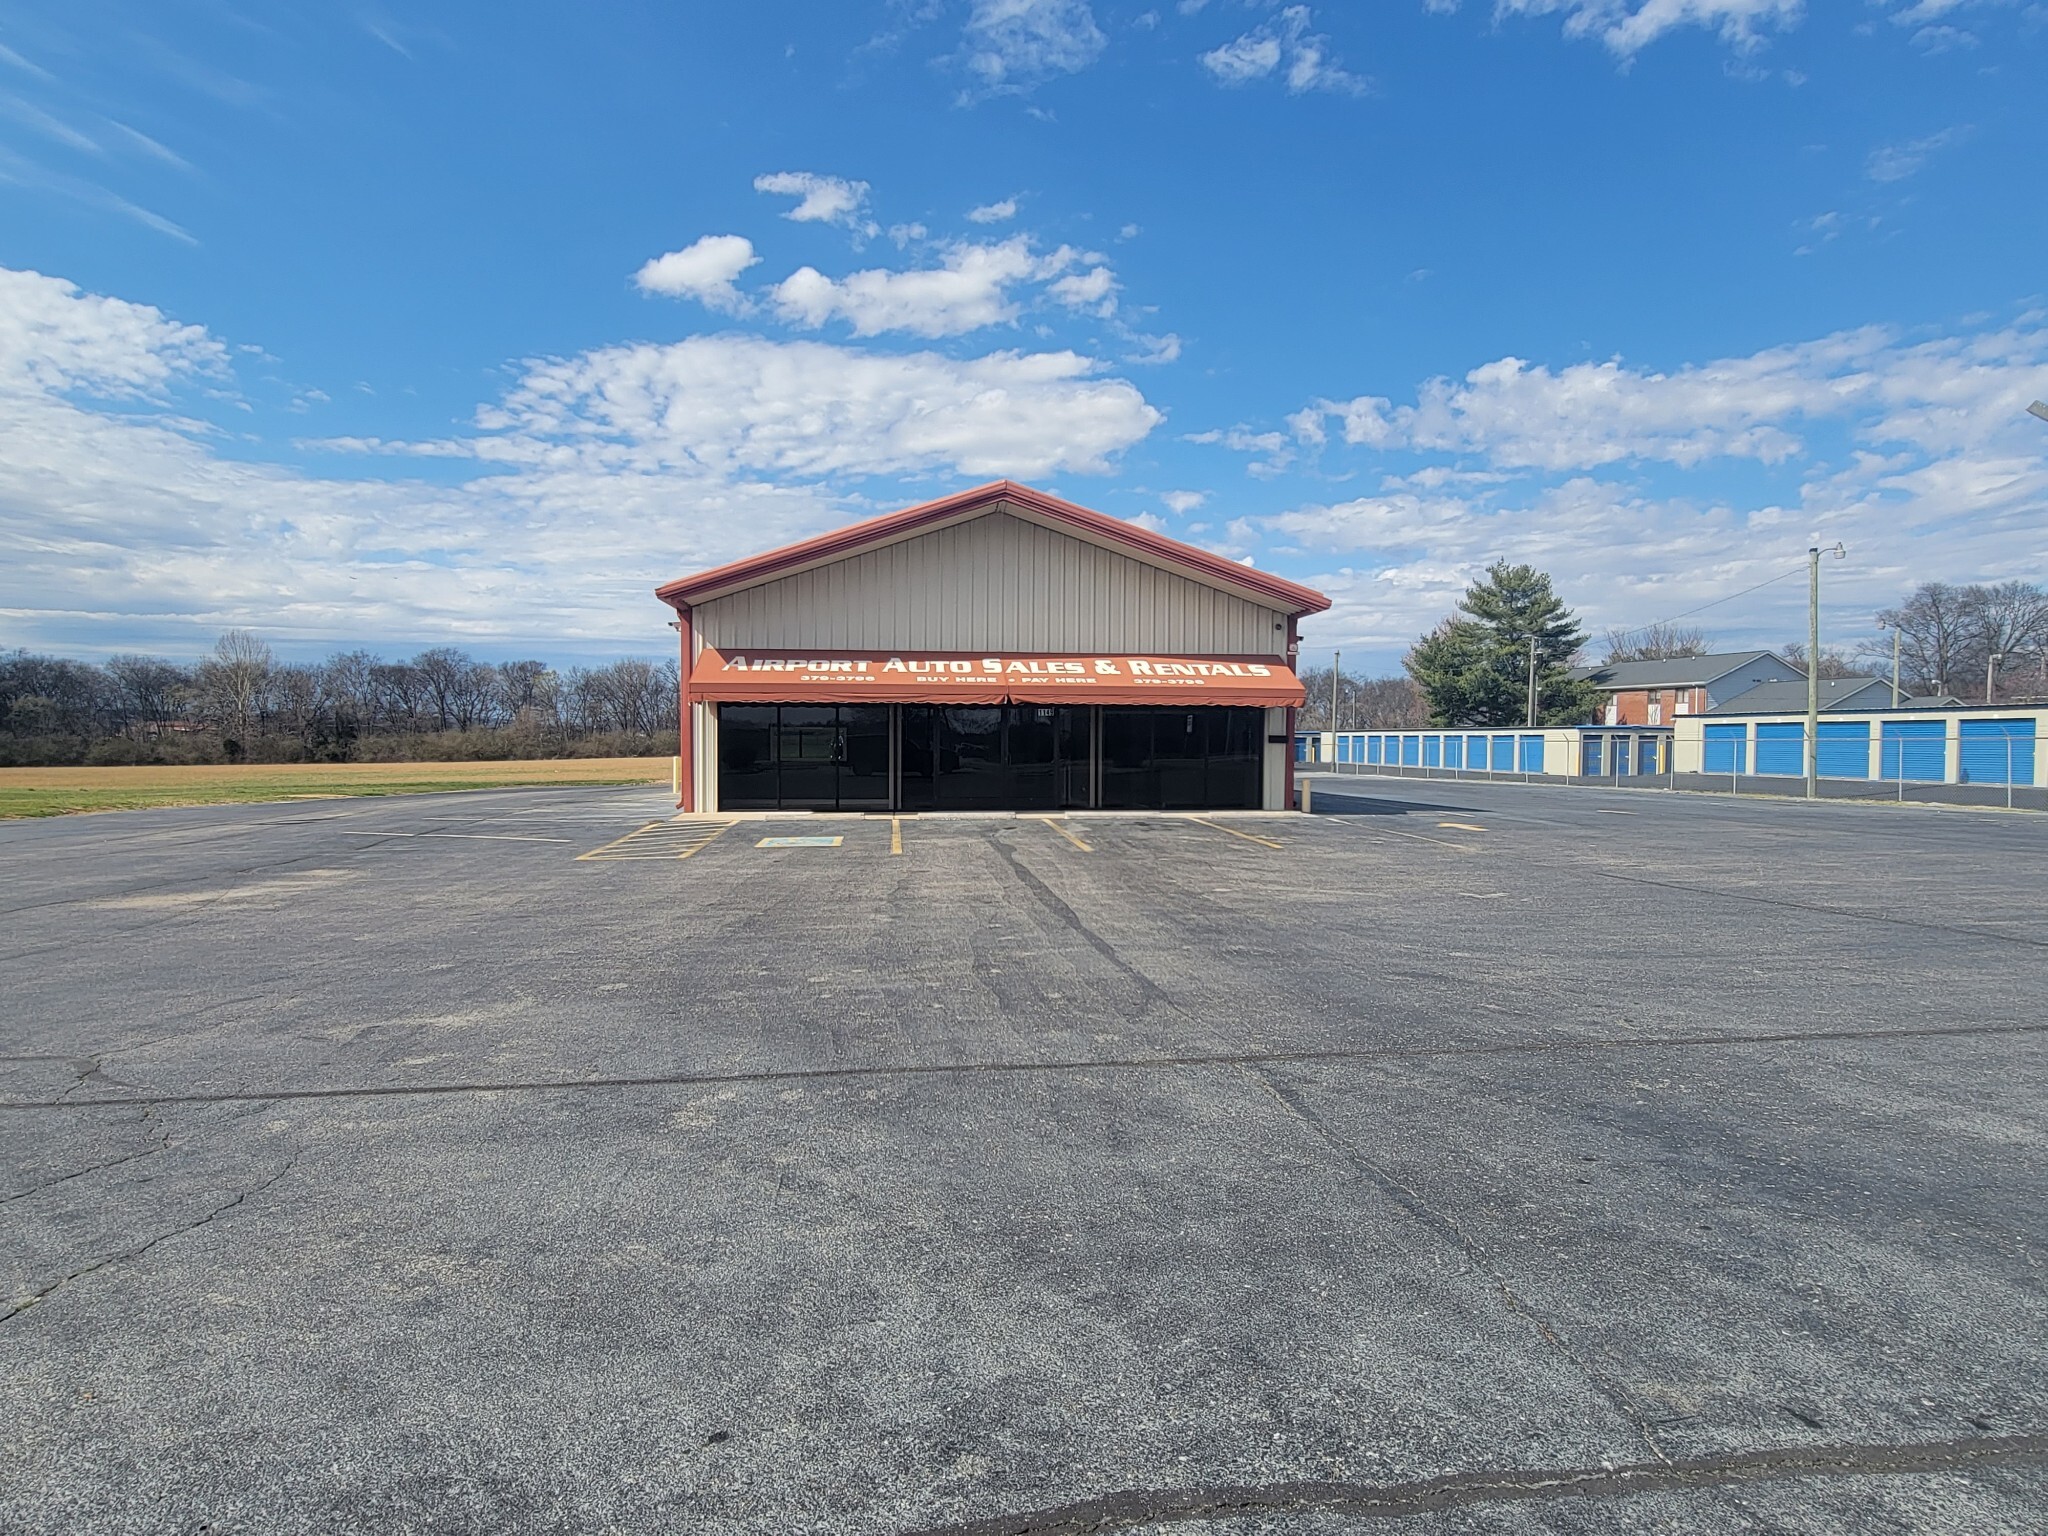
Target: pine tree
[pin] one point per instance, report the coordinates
(1474, 667)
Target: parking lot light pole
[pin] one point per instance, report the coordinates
(1813, 663)
(1991, 673)
(1532, 680)
(1336, 670)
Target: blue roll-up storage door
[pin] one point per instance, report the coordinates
(1844, 750)
(1913, 749)
(1619, 746)
(1646, 754)
(1432, 751)
(1454, 751)
(1532, 754)
(1503, 759)
(1727, 749)
(1997, 752)
(1780, 750)
(1372, 749)
(1589, 755)
(1411, 751)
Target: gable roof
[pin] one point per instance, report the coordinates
(1673, 671)
(1097, 528)
(1790, 698)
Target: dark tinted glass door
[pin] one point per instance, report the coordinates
(803, 757)
(746, 757)
(1182, 759)
(1015, 757)
(807, 750)
(863, 757)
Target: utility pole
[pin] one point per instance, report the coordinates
(1895, 667)
(1532, 680)
(1991, 673)
(1813, 672)
(1336, 670)
(1813, 664)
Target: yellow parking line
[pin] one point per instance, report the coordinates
(1462, 826)
(1061, 828)
(1248, 837)
(700, 846)
(616, 841)
(895, 834)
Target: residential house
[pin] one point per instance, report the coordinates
(1657, 692)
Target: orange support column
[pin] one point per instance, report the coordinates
(1293, 660)
(685, 742)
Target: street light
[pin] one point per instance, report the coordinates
(1881, 624)
(1991, 673)
(2039, 408)
(1813, 662)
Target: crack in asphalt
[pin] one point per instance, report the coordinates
(1447, 1225)
(163, 1145)
(35, 1298)
(1082, 1064)
(1132, 1509)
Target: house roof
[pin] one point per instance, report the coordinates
(1785, 698)
(1671, 672)
(1005, 496)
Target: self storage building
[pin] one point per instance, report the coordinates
(1000, 649)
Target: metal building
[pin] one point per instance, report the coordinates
(996, 650)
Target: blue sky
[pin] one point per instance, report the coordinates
(472, 323)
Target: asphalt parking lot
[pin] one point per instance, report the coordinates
(1464, 1159)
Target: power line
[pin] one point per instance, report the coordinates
(1717, 602)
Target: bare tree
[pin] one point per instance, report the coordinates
(150, 690)
(1937, 636)
(1833, 662)
(1654, 642)
(2011, 622)
(402, 695)
(230, 682)
(1362, 703)
(349, 683)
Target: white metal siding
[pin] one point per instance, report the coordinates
(994, 583)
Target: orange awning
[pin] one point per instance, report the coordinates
(955, 677)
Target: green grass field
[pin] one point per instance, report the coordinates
(62, 791)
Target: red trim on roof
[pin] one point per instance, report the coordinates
(1290, 596)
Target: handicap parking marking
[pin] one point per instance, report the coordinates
(677, 839)
(800, 842)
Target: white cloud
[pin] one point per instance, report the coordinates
(1895, 162)
(1915, 452)
(1181, 503)
(56, 340)
(1284, 40)
(126, 523)
(1251, 57)
(1629, 26)
(820, 199)
(971, 289)
(703, 271)
(993, 213)
(1011, 45)
(1093, 290)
